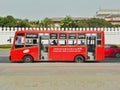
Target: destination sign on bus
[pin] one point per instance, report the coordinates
(62, 36)
(53, 36)
(31, 35)
(72, 36)
(81, 36)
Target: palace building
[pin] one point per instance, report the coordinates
(112, 16)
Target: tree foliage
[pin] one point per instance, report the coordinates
(1, 22)
(22, 23)
(46, 23)
(10, 21)
(81, 23)
(67, 22)
(94, 22)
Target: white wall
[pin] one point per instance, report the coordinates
(112, 35)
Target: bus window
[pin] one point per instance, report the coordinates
(53, 39)
(62, 39)
(72, 39)
(31, 40)
(35, 41)
(53, 42)
(99, 39)
(81, 39)
(19, 41)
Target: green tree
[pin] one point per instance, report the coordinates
(95, 22)
(46, 23)
(35, 23)
(67, 22)
(1, 21)
(22, 23)
(116, 25)
(9, 21)
(81, 23)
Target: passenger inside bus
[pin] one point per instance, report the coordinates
(19, 40)
(65, 42)
(73, 42)
(82, 43)
(41, 46)
(54, 42)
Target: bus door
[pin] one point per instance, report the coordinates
(91, 47)
(43, 46)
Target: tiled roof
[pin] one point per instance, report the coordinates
(108, 11)
(74, 18)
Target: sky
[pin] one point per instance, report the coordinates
(40, 9)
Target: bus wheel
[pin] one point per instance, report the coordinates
(27, 59)
(117, 55)
(79, 59)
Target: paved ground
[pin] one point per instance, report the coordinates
(4, 52)
(59, 76)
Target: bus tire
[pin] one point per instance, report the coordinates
(27, 59)
(79, 59)
(117, 55)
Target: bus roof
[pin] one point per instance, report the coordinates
(60, 31)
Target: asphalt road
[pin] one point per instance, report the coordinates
(103, 75)
(60, 76)
(4, 56)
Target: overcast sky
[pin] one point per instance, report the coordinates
(39, 9)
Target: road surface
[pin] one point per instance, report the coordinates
(59, 75)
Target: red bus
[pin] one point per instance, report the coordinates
(47, 45)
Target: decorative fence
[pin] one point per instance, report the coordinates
(112, 35)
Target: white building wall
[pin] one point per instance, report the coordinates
(108, 12)
(112, 35)
(5, 34)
